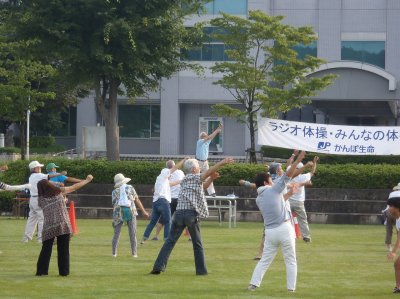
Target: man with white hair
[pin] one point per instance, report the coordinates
(297, 200)
(35, 212)
(192, 204)
(202, 150)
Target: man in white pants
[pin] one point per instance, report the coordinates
(278, 225)
(35, 212)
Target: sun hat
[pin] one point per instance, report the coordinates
(397, 187)
(35, 164)
(120, 179)
(50, 166)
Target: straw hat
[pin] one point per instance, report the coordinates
(119, 180)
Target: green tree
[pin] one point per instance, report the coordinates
(21, 79)
(266, 75)
(116, 46)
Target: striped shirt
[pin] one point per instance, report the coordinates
(191, 196)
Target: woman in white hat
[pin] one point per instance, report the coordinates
(124, 197)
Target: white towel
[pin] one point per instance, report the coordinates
(123, 197)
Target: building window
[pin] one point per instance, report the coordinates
(139, 121)
(372, 52)
(233, 7)
(303, 50)
(69, 119)
(212, 49)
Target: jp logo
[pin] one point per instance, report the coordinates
(323, 145)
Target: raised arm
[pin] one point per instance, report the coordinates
(73, 180)
(292, 168)
(291, 158)
(314, 167)
(53, 175)
(215, 167)
(211, 179)
(215, 133)
(178, 165)
(69, 189)
(294, 188)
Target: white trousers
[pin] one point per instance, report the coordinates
(203, 168)
(35, 218)
(284, 237)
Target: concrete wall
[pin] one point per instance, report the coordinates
(338, 206)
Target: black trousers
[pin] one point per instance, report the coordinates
(62, 252)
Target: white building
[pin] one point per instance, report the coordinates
(359, 39)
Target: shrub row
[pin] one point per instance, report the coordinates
(357, 176)
(283, 153)
(352, 176)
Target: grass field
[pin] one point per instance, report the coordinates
(344, 261)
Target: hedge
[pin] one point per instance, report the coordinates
(352, 176)
(356, 176)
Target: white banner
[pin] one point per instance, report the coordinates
(329, 139)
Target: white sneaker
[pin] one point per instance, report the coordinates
(114, 255)
(25, 240)
(251, 287)
(135, 255)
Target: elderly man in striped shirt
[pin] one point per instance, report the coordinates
(192, 204)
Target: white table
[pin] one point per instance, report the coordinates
(223, 202)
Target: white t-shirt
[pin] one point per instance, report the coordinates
(177, 175)
(301, 195)
(33, 180)
(161, 187)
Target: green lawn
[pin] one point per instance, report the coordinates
(344, 261)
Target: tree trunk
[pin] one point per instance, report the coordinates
(112, 130)
(253, 157)
(109, 113)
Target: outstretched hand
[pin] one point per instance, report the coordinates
(228, 160)
(89, 178)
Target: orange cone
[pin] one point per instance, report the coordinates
(296, 226)
(72, 217)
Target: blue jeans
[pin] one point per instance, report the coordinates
(180, 220)
(162, 208)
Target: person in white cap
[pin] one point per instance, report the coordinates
(124, 198)
(35, 212)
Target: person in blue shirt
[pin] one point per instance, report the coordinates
(202, 150)
(60, 181)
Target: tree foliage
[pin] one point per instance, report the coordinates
(266, 74)
(118, 47)
(22, 78)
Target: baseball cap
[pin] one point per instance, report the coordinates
(35, 164)
(50, 166)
